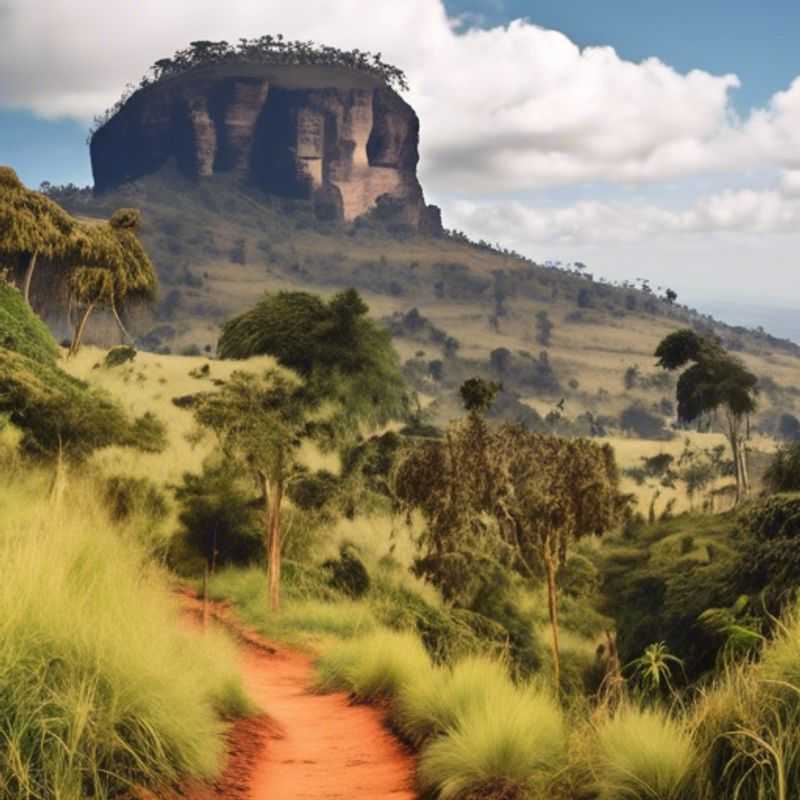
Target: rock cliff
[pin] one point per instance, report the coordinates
(342, 140)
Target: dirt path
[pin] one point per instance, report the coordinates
(310, 747)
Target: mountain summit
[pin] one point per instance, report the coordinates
(297, 124)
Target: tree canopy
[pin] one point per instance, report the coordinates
(266, 49)
(713, 380)
(344, 356)
(31, 226)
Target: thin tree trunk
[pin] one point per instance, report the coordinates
(273, 494)
(26, 288)
(552, 607)
(121, 326)
(76, 340)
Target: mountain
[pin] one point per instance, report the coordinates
(257, 177)
(340, 139)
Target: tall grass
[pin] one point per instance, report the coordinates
(643, 754)
(505, 744)
(748, 724)
(100, 686)
(374, 667)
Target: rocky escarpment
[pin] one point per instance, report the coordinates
(344, 141)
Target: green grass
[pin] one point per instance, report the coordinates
(101, 688)
(374, 667)
(643, 754)
(434, 705)
(508, 745)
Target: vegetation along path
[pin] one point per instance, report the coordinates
(313, 746)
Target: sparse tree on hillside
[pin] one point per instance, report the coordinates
(714, 381)
(544, 329)
(261, 423)
(31, 227)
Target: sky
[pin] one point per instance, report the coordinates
(657, 140)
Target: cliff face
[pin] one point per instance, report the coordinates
(345, 142)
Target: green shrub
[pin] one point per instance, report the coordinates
(100, 687)
(22, 331)
(220, 520)
(117, 356)
(643, 753)
(348, 573)
(509, 747)
(435, 705)
(783, 472)
(375, 666)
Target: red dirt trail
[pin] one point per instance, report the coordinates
(310, 746)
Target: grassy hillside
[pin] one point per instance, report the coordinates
(218, 248)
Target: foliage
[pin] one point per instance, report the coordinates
(507, 746)
(783, 472)
(713, 380)
(375, 666)
(117, 356)
(266, 49)
(100, 687)
(505, 497)
(641, 753)
(22, 331)
(653, 669)
(31, 225)
(219, 518)
(344, 356)
(348, 573)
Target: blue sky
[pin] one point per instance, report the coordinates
(645, 139)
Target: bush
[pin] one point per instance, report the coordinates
(374, 667)
(348, 573)
(508, 747)
(431, 707)
(783, 472)
(643, 753)
(100, 687)
(117, 356)
(220, 521)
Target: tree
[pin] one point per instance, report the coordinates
(558, 491)
(342, 354)
(261, 422)
(504, 497)
(113, 270)
(31, 227)
(544, 329)
(715, 381)
(671, 296)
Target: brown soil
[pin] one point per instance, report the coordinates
(310, 746)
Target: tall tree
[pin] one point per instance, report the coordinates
(343, 355)
(558, 491)
(504, 496)
(261, 422)
(31, 227)
(713, 382)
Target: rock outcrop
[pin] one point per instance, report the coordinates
(342, 140)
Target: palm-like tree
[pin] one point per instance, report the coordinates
(31, 226)
(112, 270)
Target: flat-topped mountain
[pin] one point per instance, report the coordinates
(340, 138)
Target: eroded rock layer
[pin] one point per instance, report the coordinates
(347, 144)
